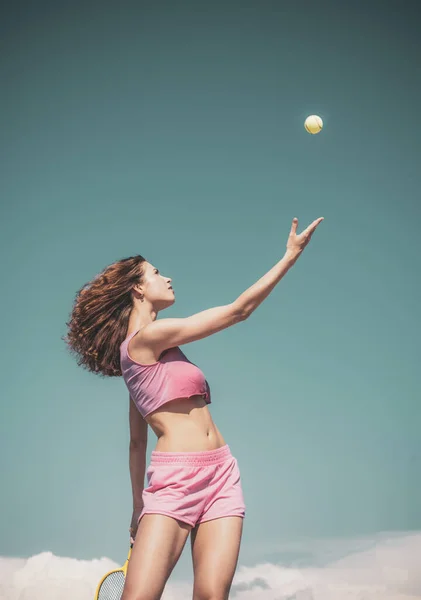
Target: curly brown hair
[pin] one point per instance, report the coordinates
(100, 315)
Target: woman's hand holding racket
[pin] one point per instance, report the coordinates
(134, 523)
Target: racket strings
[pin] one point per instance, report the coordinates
(112, 586)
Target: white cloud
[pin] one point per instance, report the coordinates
(48, 577)
(385, 569)
(390, 569)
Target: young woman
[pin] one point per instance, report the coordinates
(193, 480)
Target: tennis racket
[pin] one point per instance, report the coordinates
(112, 584)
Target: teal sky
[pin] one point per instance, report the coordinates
(175, 130)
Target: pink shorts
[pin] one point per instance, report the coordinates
(194, 486)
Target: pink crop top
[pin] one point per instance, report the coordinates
(171, 377)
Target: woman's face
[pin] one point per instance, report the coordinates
(157, 288)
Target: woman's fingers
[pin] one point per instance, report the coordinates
(301, 240)
(294, 226)
(305, 237)
(306, 231)
(313, 226)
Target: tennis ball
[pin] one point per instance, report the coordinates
(313, 124)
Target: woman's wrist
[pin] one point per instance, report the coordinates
(292, 255)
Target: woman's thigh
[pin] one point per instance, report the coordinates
(158, 545)
(215, 548)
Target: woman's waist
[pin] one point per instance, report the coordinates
(185, 427)
(198, 442)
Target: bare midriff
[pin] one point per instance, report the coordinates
(185, 425)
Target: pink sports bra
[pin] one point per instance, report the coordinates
(171, 377)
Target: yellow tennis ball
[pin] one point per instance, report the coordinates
(313, 124)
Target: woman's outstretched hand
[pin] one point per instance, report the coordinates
(297, 243)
